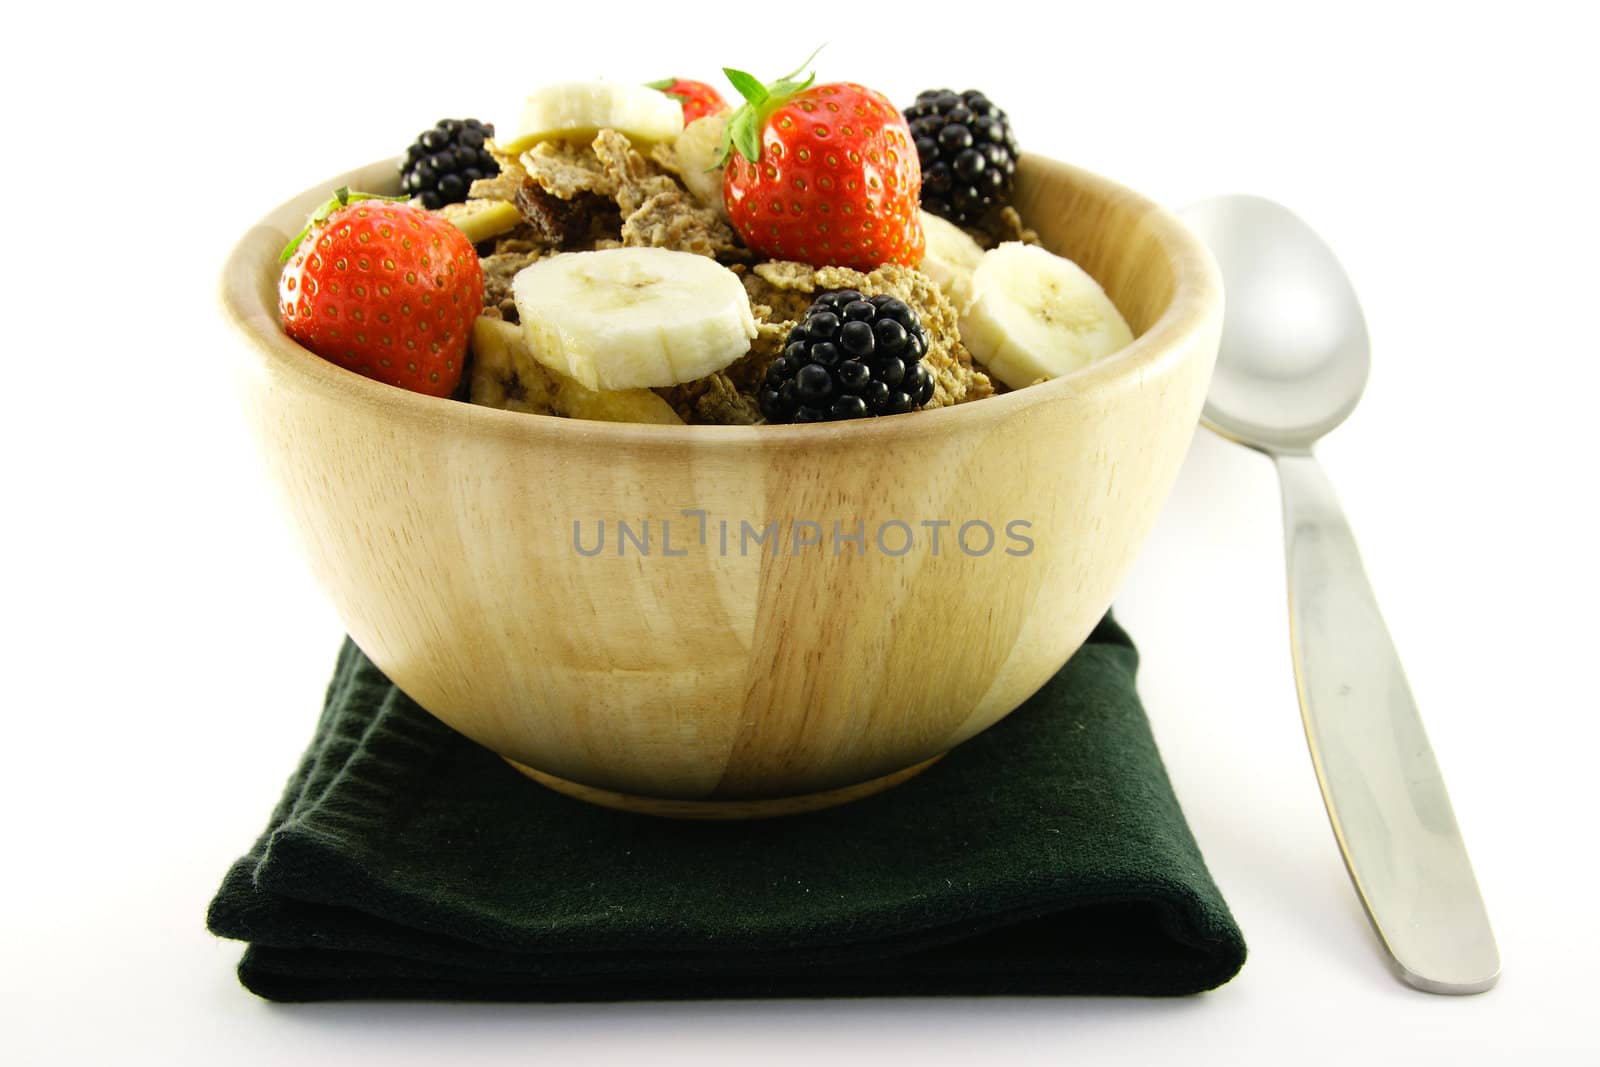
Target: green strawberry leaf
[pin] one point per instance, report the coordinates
(743, 131)
(663, 85)
(342, 197)
(746, 134)
(787, 86)
(725, 144)
(749, 88)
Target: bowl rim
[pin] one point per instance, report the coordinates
(1196, 303)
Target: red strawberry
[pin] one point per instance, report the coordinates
(384, 289)
(698, 98)
(824, 174)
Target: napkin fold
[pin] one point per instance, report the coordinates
(1047, 855)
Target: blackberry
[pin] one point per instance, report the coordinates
(443, 162)
(850, 357)
(968, 153)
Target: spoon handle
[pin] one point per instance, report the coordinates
(1384, 793)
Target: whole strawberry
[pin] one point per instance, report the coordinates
(823, 174)
(698, 98)
(385, 289)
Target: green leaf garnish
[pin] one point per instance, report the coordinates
(787, 86)
(746, 135)
(795, 73)
(663, 85)
(342, 197)
(744, 126)
(747, 84)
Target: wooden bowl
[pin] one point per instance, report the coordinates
(701, 681)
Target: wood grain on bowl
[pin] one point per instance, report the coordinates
(455, 541)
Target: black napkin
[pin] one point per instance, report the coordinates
(1046, 855)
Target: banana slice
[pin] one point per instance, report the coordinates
(950, 259)
(1036, 315)
(505, 375)
(629, 318)
(482, 219)
(696, 152)
(579, 110)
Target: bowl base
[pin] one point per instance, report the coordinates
(766, 808)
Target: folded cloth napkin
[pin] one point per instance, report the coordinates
(1046, 855)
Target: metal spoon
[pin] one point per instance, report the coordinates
(1293, 363)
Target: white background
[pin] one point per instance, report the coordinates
(165, 653)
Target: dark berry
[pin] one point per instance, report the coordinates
(968, 153)
(889, 370)
(849, 407)
(822, 326)
(825, 353)
(890, 334)
(856, 337)
(813, 383)
(954, 138)
(853, 374)
(443, 162)
(849, 357)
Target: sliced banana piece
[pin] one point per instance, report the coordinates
(579, 110)
(505, 375)
(1036, 315)
(482, 219)
(629, 318)
(696, 152)
(951, 257)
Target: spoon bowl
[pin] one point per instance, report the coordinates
(1295, 352)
